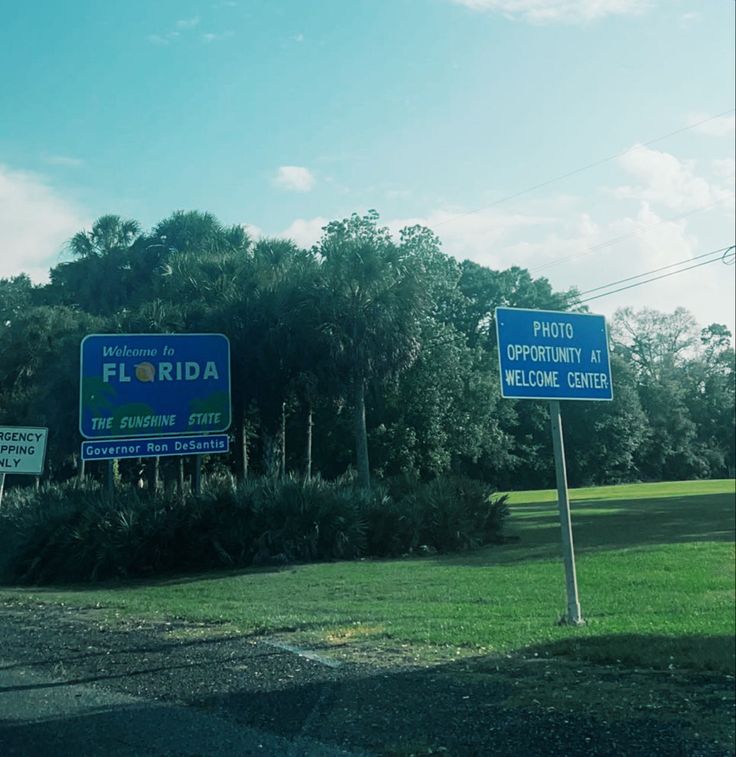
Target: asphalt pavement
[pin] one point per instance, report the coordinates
(72, 683)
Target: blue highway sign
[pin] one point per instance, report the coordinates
(551, 355)
(153, 385)
(168, 446)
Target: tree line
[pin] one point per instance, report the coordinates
(367, 353)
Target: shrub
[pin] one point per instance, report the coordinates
(73, 531)
(312, 520)
(460, 514)
(444, 515)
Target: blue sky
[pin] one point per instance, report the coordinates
(283, 114)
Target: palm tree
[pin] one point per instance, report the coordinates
(109, 233)
(370, 300)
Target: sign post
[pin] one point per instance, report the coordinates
(22, 451)
(574, 615)
(552, 355)
(197, 474)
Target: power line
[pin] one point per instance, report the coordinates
(576, 171)
(657, 278)
(657, 270)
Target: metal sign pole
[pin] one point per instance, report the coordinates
(110, 478)
(198, 474)
(573, 615)
(2, 487)
(555, 355)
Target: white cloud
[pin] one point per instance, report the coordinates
(253, 231)
(182, 26)
(655, 243)
(721, 126)
(294, 178)
(187, 23)
(576, 249)
(666, 209)
(571, 247)
(211, 37)
(564, 11)
(587, 253)
(669, 181)
(305, 231)
(724, 168)
(35, 223)
(161, 39)
(62, 160)
(477, 236)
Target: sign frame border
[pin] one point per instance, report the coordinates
(45, 450)
(178, 433)
(552, 399)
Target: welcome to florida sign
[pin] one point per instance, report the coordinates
(154, 385)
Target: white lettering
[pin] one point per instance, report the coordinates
(553, 329)
(210, 371)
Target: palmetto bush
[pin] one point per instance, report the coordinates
(458, 513)
(75, 532)
(303, 521)
(447, 514)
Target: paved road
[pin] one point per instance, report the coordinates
(71, 684)
(76, 687)
(45, 716)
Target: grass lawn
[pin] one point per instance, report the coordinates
(655, 570)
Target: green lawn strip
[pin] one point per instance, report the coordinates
(655, 574)
(625, 492)
(657, 607)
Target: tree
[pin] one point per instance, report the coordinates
(522, 450)
(711, 399)
(371, 300)
(441, 415)
(684, 381)
(109, 234)
(483, 290)
(99, 279)
(655, 343)
(385, 340)
(192, 231)
(16, 298)
(39, 375)
(606, 436)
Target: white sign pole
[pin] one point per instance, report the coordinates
(573, 616)
(2, 486)
(110, 478)
(555, 355)
(197, 474)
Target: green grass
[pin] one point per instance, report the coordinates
(655, 570)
